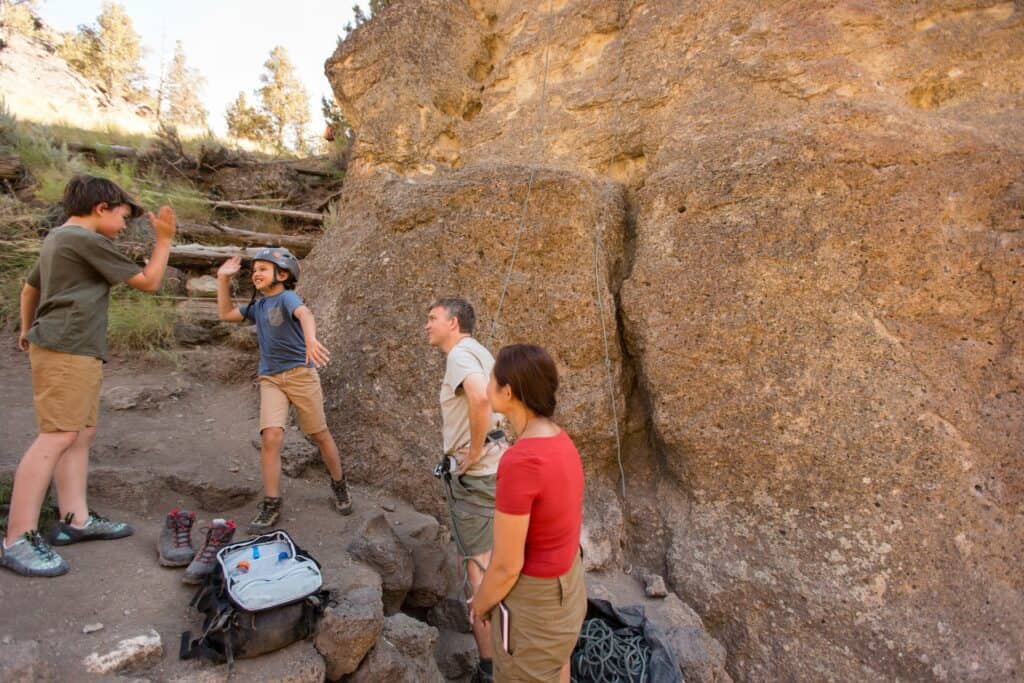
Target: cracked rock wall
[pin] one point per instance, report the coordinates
(812, 224)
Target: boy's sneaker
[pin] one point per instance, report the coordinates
(341, 501)
(218, 535)
(30, 555)
(266, 518)
(96, 528)
(175, 543)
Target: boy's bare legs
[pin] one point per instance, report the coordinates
(270, 461)
(328, 452)
(481, 629)
(71, 476)
(31, 480)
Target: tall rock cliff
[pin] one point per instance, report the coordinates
(804, 224)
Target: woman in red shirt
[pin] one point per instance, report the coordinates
(533, 590)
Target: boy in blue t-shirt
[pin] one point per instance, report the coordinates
(289, 356)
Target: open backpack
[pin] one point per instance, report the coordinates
(265, 593)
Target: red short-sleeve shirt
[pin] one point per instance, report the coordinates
(543, 477)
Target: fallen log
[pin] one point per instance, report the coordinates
(190, 256)
(102, 150)
(300, 245)
(10, 167)
(289, 213)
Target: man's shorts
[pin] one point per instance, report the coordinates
(65, 389)
(473, 512)
(299, 386)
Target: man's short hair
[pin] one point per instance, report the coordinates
(460, 309)
(84, 193)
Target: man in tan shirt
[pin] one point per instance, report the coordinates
(470, 437)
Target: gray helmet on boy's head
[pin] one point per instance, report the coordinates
(280, 257)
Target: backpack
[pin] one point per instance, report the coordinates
(264, 594)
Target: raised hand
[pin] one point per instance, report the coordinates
(164, 223)
(230, 267)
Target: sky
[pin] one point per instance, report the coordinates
(227, 40)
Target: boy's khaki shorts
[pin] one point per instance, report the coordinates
(299, 386)
(65, 389)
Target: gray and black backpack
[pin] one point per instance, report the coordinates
(265, 593)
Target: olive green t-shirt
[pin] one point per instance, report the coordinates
(74, 273)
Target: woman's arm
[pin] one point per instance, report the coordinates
(506, 563)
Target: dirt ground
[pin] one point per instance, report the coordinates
(194, 451)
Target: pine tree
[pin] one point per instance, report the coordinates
(361, 16)
(335, 119)
(284, 100)
(246, 123)
(180, 93)
(109, 53)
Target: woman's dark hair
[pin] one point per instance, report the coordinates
(84, 192)
(531, 374)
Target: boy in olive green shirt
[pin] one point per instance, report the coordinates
(64, 329)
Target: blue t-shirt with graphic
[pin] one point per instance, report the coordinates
(282, 345)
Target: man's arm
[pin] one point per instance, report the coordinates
(475, 389)
(225, 311)
(164, 226)
(316, 352)
(29, 304)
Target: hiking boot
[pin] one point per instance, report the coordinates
(174, 546)
(96, 528)
(269, 513)
(341, 501)
(30, 555)
(218, 534)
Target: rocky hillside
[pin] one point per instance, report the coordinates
(38, 85)
(805, 223)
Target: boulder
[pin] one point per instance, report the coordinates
(349, 629)
(379, 547)
(204, 285)
(813, 222)
(404, 652)
(456, 654)
(297, 663)
(427, 544)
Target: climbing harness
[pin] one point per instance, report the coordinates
(606, 655)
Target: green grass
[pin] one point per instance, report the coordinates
(17, 257)
(140, 322)
(47, 515)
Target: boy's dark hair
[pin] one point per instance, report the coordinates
(460, 309)
(84, 192)
(531, 373)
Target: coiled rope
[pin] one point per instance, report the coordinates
(606, 655)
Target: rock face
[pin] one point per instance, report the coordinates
(811, 231)
(379, 547)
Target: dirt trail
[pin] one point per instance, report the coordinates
(146, 461)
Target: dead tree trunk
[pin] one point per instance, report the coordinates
(300, 245)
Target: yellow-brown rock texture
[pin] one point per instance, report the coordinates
(809, 230)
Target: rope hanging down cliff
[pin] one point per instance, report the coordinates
(539, 130)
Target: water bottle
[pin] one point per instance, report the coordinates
(255, 552)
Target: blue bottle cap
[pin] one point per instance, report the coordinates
(283, 555)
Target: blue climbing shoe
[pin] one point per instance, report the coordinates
(30, 555)
(96, 528)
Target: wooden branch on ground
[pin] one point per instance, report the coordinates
(10, 167)
(300, 245)
(191, 256)
(288, 213)
(100, 149)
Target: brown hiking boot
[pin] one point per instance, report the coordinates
(340, 498)
(266, 518)
(218, 534)
(174, 546)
